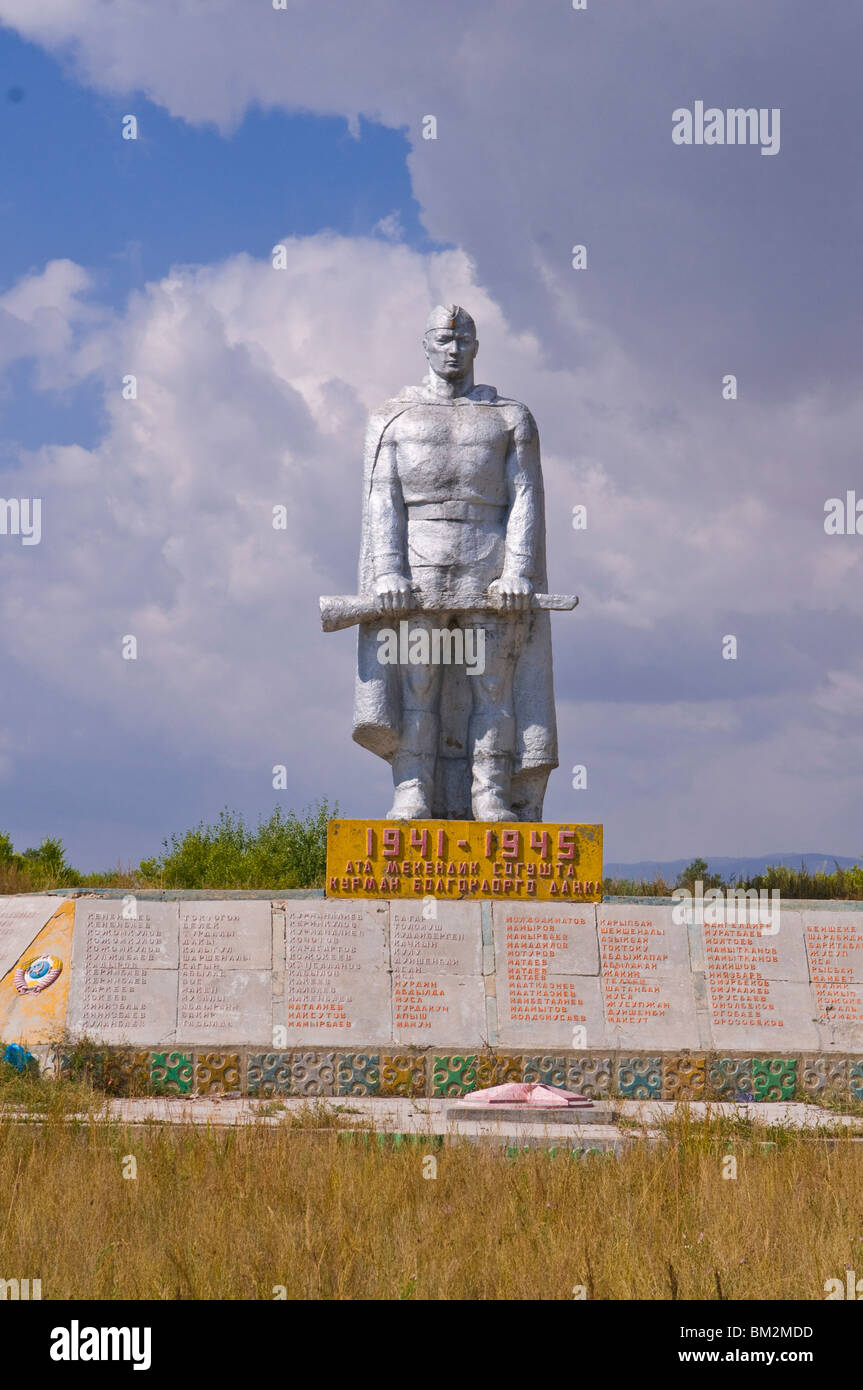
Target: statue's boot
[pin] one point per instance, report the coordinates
(491, 767)
(414, 767)
(528, 793)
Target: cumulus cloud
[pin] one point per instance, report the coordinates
(554, 128)
(41, 318)
(705, 516)
(252, 390)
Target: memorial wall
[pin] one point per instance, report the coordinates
(617, 995)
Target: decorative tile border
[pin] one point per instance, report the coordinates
(495, 1069)
(825, 1078)
(127, 1073)
(217, 1073)
(670, 1076)
(171, 1073)
(545, 1071)
(684, 1077)
(403, 1074)
(454, 1076)
(730, 1078)
(313, 1074)
(640, 1078)
(358, 1073)
(268, 1073)
(590, 1076)
(775, 1078)
(118, 1071)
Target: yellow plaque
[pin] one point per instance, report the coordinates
(461, 859)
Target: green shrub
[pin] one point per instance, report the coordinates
(800, 883)
(284, 851)
(35, 869)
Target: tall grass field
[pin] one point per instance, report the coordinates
(100, 1210)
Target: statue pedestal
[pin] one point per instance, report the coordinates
(291, 993)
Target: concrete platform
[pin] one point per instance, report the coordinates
(637, 1120)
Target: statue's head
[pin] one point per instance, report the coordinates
(450, 341)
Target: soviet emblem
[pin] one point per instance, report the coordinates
(37, 974)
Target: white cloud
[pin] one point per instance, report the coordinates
(705, 517)
(40, 317)
(253, 387)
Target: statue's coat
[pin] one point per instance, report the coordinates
(377, 693)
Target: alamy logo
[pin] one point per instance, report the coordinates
(76, 1343)
(844, 515)
(728, 906)
(21, 516)
(737, 125)
(24, 1289)
(852, 1288)
(436, 646)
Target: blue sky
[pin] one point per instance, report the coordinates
(554, 128)
(130, 210)
(180, 193)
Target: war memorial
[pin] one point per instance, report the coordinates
(460, 941)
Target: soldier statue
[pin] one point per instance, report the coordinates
(453, 536)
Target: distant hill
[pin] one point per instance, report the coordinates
(729, 867)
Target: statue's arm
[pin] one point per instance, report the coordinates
(388, 528)
(515, 585)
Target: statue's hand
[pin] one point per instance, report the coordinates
(513, 591)
(394, 592)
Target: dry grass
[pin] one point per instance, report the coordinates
(215, 1214)
(15, 879)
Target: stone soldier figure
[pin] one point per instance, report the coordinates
(453, 522)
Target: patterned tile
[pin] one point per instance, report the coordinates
(825, 1078)
(269, 1073)
(549, 1071)
(171, 1073)
(217, 1073)
(313, 1074)
(119, 1071)
(855, 1077)
(494, 1069)
(357, 1074)
(454, 1076)
(730, 1078)
(125, 1072)
(684, 1077)
(403, 1075)
(458, 1075)
(775, 1078)
(590, 1076)
(640, 1078)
